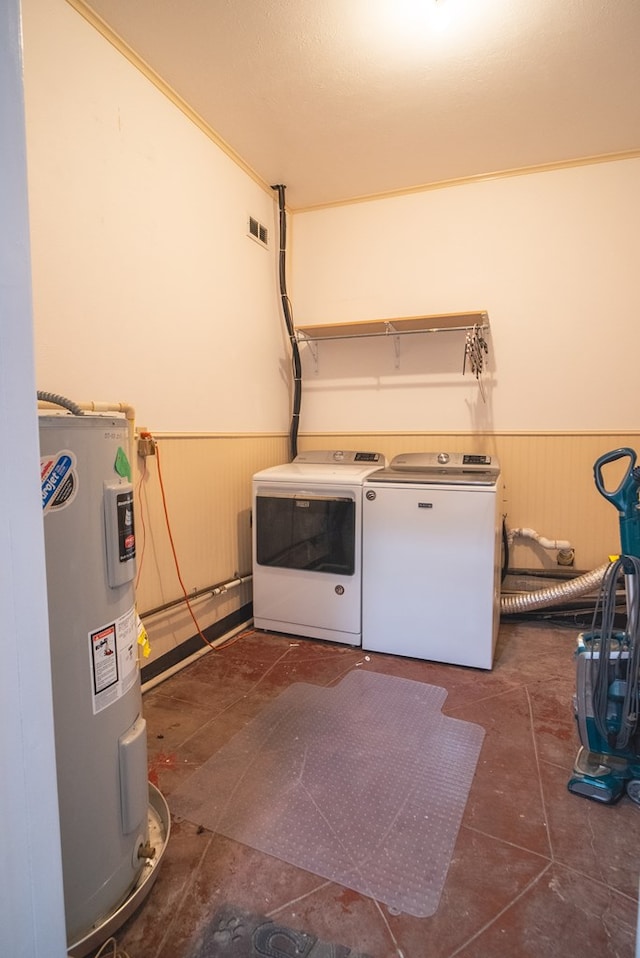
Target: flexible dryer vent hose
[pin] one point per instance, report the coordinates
(581, 585)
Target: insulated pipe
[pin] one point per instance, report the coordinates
(559, 544)
(581, 585)
(53, 399)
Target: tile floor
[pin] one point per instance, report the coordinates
(536, 871)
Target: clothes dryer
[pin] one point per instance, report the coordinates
(307, 545)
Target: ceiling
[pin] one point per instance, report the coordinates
(338, 99)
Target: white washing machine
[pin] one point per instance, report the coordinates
(432, 558)
(307, 545)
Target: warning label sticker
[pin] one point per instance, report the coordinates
(105, 659)
(114, 660)
(58, 480)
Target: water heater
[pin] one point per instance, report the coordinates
(100, 733)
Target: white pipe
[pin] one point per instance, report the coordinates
(92, 406)
(177, 605)
(232, 584)
(559, 544)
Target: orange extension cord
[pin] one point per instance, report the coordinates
(175, 556)
(223, 645)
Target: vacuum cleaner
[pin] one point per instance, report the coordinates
(606, 703)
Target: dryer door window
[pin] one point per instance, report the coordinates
(315, 533)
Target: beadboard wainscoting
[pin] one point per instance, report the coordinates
(207, 486)
(547, 483)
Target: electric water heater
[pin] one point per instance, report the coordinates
(100, 734)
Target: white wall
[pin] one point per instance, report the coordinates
(553, 258)
(31, 902)
(146, 287)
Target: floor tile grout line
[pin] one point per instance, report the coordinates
(338, 678)
(337, 654)
(396, 944)
(159, 690)
(502, 911)
(183, 897)
(557, 863)
(186, 701)
(298, 899)
(596, 881)
(172, 696)
(485, 698)
(231, 704)
(504, 841)
(216, 829)
(326, 884)
(561, 768)
(221, 711)
(356, 865)
(538, 770)
(235, 701)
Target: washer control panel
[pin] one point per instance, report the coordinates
(440, 467)
(449, 460)
(341, 457)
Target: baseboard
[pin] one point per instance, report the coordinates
(194, 644)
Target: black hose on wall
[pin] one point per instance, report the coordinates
(288, 318)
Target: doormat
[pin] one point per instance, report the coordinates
(234, 933)
(364, 783)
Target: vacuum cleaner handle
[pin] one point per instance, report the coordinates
(625, 496)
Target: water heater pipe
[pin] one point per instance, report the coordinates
(53, 401)
(527, 601)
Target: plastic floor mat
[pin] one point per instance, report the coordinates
(364, 783)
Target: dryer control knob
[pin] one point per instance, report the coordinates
(443, 457)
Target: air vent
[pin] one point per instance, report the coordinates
(258, 232)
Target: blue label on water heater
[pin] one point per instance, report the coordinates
(58, 480)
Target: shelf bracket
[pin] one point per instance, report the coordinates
(390, 330)
(315, 350)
